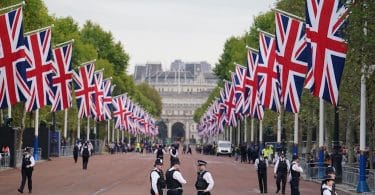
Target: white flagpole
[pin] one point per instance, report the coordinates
(321, 123)
(108, 130)
(279, 128)
(79, 129)
(245, 131)
(36, 133)
(295, 133)
(65, 123)
(113, 131)
(260, 131)
(239, 132)
(252, 130)
(94, 126)
(230, 134)
(118, 135)
(10, 111)
(88, 129)
(122, 136)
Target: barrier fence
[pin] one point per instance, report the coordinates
(4, 160)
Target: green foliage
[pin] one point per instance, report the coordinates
(152, 95)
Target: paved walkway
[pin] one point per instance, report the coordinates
(129, 174)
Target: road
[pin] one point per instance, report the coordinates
(129, 174)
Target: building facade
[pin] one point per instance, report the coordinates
(182, 91)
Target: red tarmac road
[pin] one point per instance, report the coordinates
(128, 174)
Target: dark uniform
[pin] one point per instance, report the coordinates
(75, 152)
(160, 183)
(205, 182)
(294, 182)
(281, 174)
(201, 184)
(174, 187)
(85, 155)
(160, 153)
(27, 170)
(261, 165)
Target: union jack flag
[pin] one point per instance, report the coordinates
(324, 23)
(13, 87)
(230, 104)
(253, 100)
(292, 56)
(238, 80)
(40, 69)
(84, 88)
(107, 100)
(267, 72)
(62, 78)
(119, 111)
(97, 96)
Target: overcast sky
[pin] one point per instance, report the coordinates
(165, 30)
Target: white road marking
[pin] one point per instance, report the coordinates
(107, 188)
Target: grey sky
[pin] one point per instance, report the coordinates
(164, 30)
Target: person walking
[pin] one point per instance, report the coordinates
(174, 179)
(173, 154)
(261, 165)
(28, 164)
(85, 153)
(205, 182)
(160, 152)
(189, 149)
(281, 170)
(295, 172)
(328, 185)
(75, 152)
(157, 178)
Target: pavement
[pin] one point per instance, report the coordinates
(129, 174)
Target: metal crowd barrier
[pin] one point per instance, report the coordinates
(5, 160)
(66, 151)
(350, 177)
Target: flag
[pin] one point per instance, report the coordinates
(255, 109)
(13, 87)
(238, 80)
(119, 111)
(292, 56)
(324, 23)
(230, 104)
(97, 96)
(62, 77)
(84, 88)
(107, 100)
(268, 81)
(40, 69)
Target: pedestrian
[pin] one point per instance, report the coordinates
(281, 170)
(157, 178)
(331, 172)
(85, 153)
(243, 153)
(28, 163)
(295, 172)
(189, 149)
(174, 179)
(173, 154)
(205, 182)
(160, 152)
(75, 152)
(261, 165)
(328, 186)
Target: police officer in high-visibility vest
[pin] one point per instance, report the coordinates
(157, 178)
(281, 170)
(205, 182)
(295, 172)
(28, 163)
(261, 165)
(174, 179)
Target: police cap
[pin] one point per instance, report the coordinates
(201, 162)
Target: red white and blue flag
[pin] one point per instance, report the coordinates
(97, 96)
(230, 104)
(292, 56)
(62, 78)
(325, 20)
(84, 88)
(119, 111)
(13, 87)
(107, 100)
(239, 82)
(253, 100)
(40, 69)
(267, 72)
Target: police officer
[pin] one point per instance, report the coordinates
(160, 152)
(173, 153)
(261, 165)
(328, 185)
(75, 152)
(174, 179)
(331, 173)
(28, 163)
(281, 170)
(157, 178)
(295, 172)
(205, 182)
(85, 153)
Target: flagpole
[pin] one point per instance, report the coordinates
(38, 30)
(290, 15)
(245, 131)
(321, 138)
(13, 6)
(230, 134)
(295, 146)
(279, 129)
(88, 129)
(260, 135)
(10, 111)
(36, 133)
(239, 132)
(95, 127)
(79, 129)
(118, 135)
(252, 131)
(65, 123)
(108, 130)
(113, 131)
(122, 136)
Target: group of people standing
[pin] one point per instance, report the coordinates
(173, 180)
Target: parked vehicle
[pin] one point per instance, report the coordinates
(224, 148)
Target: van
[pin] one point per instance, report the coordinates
(224, 148)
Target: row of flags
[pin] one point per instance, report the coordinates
(308, 54)
(33, 72)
